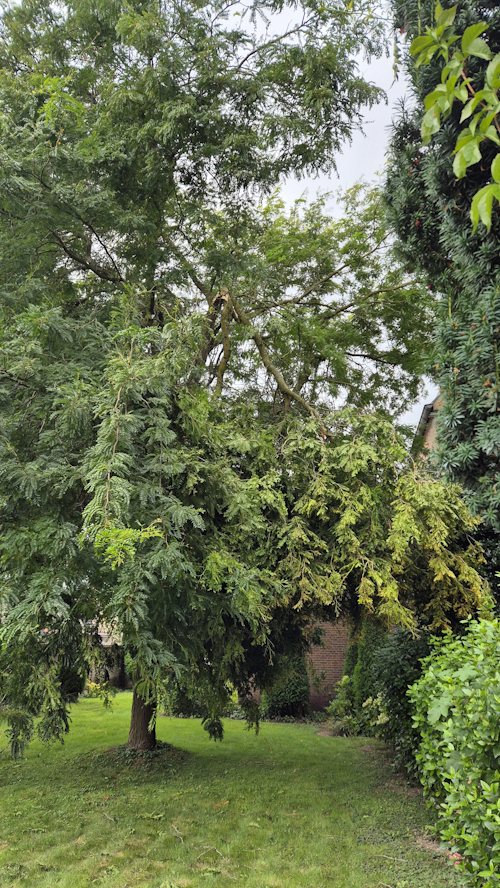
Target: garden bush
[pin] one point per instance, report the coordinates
(289, 696)
(351, 657)
(457, 712)
(181, 699)
(352, 711)
(342, 720)
(396, 666)
(370, 640)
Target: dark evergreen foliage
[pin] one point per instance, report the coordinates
(289, 695)
(396, 666)
(430, 212)
(371, 638)
(351, 657)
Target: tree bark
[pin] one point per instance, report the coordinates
(140, 737)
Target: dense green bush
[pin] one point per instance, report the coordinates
(457, 711)
(349, 714)
(181, 698)
(363, 683)
(351, 657)
(396, 666)
(290, 694)
(342, 720)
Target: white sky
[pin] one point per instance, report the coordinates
(365, 158)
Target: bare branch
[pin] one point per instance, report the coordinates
(335, 272)
(224, 324)
(377, 359)
(357, 303)
(87, 261)
(268, 364)
(263, 46)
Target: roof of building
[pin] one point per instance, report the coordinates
(424, 419)
(428, 412)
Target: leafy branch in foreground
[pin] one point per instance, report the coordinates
(481, 106)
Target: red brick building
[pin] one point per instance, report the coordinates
(326, 664)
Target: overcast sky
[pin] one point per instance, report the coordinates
(365, 158)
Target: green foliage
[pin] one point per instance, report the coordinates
(289, 696)
(234, 586)
(100, 690)
(430, 212)
(457, 712)
(342, 718)
(351, 657)
(180, 698)
(481, 106)
(371, 638)
(395, 542)
(171, 462)
(396, 666)
(352, 712)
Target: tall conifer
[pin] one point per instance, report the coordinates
(430, 211)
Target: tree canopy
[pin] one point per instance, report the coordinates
(176, 345)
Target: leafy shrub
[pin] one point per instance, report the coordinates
(73, 682)
(457, 711)
(342, 720)
(348, 714)
(363, 683)
(290, 694)
(396, 666)
(374, 715)
(317, 718)
(184, 698)
(351, 657)
(181, 699)
(102, 690)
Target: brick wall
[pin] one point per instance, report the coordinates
(328, 660)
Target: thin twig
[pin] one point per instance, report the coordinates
(108, 817)
(211, 848)
(399, 859)
(177, 833)
(303, 24)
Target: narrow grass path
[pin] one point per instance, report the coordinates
(283, 809)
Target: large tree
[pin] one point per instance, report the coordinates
(173, 344)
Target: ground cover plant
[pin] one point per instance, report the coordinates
(285, 807)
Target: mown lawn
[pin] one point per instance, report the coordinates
(283, 809)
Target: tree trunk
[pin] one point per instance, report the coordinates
(140, 737)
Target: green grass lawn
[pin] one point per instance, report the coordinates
(283, 809)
